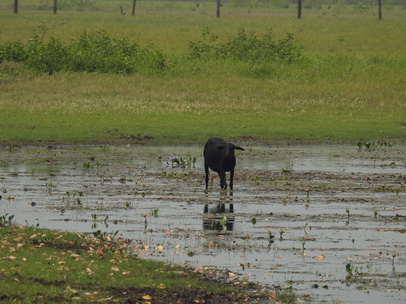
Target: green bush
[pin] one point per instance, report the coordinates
(88, 52)
(47, 57)
(97, 52)
(13, 51)
(246, 47)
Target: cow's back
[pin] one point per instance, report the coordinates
(213, 155)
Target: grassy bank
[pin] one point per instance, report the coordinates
(44, 266)
(348, 84)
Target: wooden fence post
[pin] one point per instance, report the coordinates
(380, 9)
(15, 6)
(55, 6)
(133, 11)
(218, 9)
(299, 9)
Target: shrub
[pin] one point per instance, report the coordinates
(246, 47)
(13, 51)
(47, 57)
(87, 52)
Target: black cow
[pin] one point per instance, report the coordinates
(219, 156)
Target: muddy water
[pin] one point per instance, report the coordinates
(327, 221)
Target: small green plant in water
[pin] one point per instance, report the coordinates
(373, 145)
(307, 197)
(303, 244)
(223, 223)
(348, 269)
(75, 197)
(181, 162)
(271, 236)
(104, 236)
(155, 212)
(5, 220)
(281, 232)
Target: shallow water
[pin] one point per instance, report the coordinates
(335, 205)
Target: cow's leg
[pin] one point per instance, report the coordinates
(231, 179)
(206, 168)
(222, 176)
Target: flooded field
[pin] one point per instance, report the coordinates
(328, 221)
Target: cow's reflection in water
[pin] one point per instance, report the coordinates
(218, 217)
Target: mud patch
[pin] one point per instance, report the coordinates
(326, 221)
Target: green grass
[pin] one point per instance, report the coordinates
(44, 266)
(348, 85)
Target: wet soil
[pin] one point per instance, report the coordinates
(328, 221)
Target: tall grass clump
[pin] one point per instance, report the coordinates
(246, 47)
(99, 53)
(87, 52)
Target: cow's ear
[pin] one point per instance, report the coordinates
(220, 147)
(239, 148)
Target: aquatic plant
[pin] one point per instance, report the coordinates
(348, 269)
(86, 165)
(305, 229)
(104, 236)
(155, 212)
(219, 223)
(281, 232)
(271, 236)
(373, 145)
(5, 220)
(393, 259)
(223, 222)
(10, 148)
(181, 162)
(307, 196)
(74, 197)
